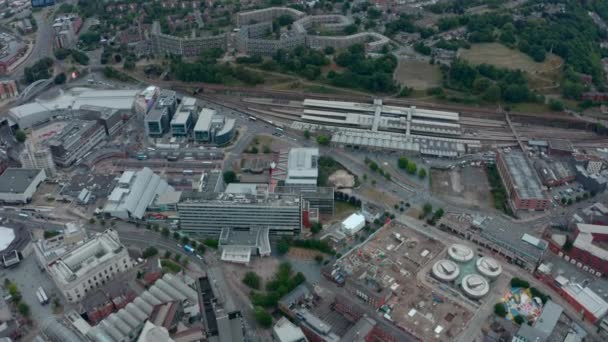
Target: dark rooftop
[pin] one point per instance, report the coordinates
(17, 180)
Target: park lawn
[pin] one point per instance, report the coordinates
(418, 75)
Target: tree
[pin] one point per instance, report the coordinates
(499, 310)
(176, 235)
(92, 220)
(283, 246)
(329, 50)
(427, 208)
(164, 232)
(230, 177)
(316, 227)
(200, 249)
(402, 163)
(60, 78)
(149, 252)
(266, 149)
(167, 254)
(129, 64)
(24, 309)
(519, 319)
(20, 136)
(421, 173)
(323, 140)
(438, 214)
(351, 29)
(177, 257)
(263, 317)
(306, 134)
(185, 240)
(411, 168)
(252, 280)
(79, 57)
(517, 282)
(319, 258)
(556, 106)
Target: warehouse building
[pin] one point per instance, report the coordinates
(588, 248)
(75, 141)
(19, 185)
(135, 191)
(208, 213)
(521, 181)
(89, 265)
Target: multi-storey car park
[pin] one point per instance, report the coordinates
(250, 36)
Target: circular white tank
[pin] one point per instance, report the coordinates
(445, 270)
(460, 253)
(488, 267)
(475, 286)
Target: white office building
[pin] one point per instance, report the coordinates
(89, 265)
(135, 191)
(302, 167)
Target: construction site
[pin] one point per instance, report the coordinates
(387, 273)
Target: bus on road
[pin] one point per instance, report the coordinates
(253, 118)
(188, 249)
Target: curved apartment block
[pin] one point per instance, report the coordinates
(251, 36)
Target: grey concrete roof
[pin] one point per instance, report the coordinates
(524, 177)
(17, 180)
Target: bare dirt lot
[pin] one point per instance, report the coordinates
(466, 186)
(419, 75)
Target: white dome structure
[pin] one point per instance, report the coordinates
(475, 286)
(446, 270)
(488, 267)
(460, 253)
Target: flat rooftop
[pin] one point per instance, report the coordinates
(525, 180)
(180, 118)
(16, 181)
(203, 124)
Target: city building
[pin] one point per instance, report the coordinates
(14, 238)
(209, 213)
(167, 315)
(560, 147)
(238, 245)
(158, 117)
(521, 182)
(146, 99)
(127, 324)
(314, 328)
(181, 124)
(66, 28)
(509, 240)
(213, 128)
(135, 191)
(285, 331)
(49, 249)
(89, 265)
(35, 156)
(303, 293)
(11, 49)
(165, 44)
(353, 224)
(8, 89)
(582, 298)
(75, 141)
(67, 105)
(157, 122)
(592, 182)
(588, 248)
(554, 173)
(19, 185)
(319, 198)
(302, 167)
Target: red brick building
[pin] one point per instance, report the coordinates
(521, 181)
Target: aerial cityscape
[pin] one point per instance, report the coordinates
(293, 171)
